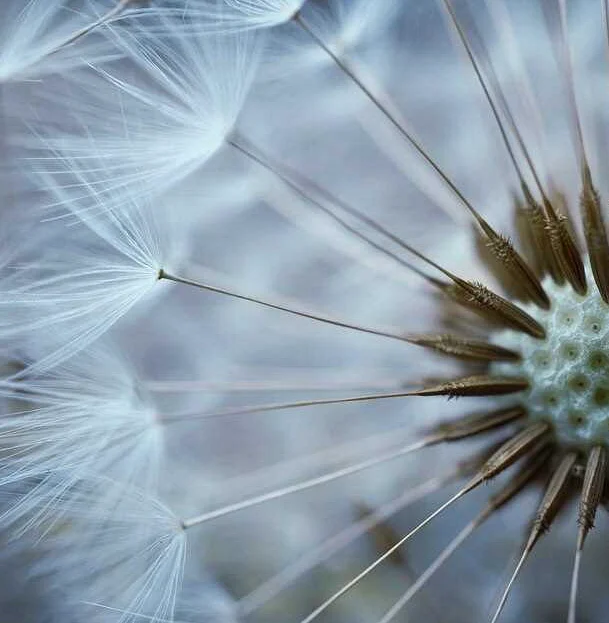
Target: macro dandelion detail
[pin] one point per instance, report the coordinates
(38, 36)
(304, 310)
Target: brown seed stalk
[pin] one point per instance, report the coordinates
(540, 228)
(595, 232)
(552, 499)
(546, 513)
(477, 385)
(475, 423)
(538, 460)
(516, 267)
(488, 303)
(513, 449)
(464, 348)
(565, 248)
(592, 490)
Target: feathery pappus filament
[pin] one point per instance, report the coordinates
(304, 308)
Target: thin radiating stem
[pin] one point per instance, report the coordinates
(498, 500)
(349, 585)
(279, 306)
(467, 386)
(289, 178)
(551, 503)
(281, 406)
(304, 485)
(474, 349)
(530, 440)
(428, 573)
(567, 66)
(592, 492)
(350, 73)
(474, 63)
(508, 588)
(331, 546)
(503, 24)
(590, 201)
(325, 459)
(297, 183)
(171, 387)
(574, 586)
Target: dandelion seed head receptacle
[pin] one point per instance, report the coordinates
(567, 371)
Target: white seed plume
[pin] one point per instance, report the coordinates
(71, 283)
(236, 15)
(84, 419)
(41, 37)
(161, 115)
(127, 565)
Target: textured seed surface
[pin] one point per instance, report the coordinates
(568, 372)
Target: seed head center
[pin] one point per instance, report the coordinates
(568, 371)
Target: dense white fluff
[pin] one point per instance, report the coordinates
(86, 418)
(154, 120)
(236, 15)
(121, 566)
(265, 12)
(35, 36)
(81, 273)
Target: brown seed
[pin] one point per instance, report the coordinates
(473, 424)
(595, 232)
(540, 455)
(549, 507)
(528, 234)
(514, 448)
(592, 490)
(553, 498)
(541, 230)
(517, 268)
(565, 249)
(483, 299)
(477, 385)
(464, 348)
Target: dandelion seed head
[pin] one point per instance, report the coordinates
(246, 477)
(567, 371)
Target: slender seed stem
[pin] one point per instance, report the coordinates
(296, 183)
(281, 307)
(281, 406)
(433, 567)
(474, 63)
(349, 585)
(334, 544)
(460, 347)
(352, 75)
(508, 588)
(567, 66)
(304, 485)
(574, 587)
